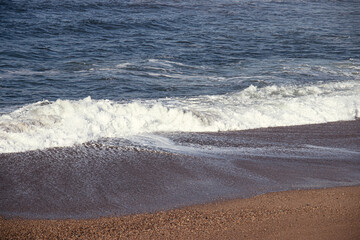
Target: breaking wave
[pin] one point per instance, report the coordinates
(68, 122)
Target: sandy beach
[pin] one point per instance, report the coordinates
(305, 214)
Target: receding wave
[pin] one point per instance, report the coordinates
(68, 122)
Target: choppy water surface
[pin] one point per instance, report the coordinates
(122, 50)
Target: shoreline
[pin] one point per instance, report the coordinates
(329, 213)
(98, 180)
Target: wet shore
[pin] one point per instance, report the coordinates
(113, 179)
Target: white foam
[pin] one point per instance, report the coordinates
(65, 123)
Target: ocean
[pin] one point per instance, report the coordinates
(106, 104)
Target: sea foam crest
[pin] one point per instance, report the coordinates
(66, 122)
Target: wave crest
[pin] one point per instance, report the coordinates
(67, 122)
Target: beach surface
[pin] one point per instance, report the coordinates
(332, 213)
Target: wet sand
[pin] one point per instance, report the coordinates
(102, 179)
(305, 214)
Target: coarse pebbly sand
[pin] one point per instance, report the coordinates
(332, 213)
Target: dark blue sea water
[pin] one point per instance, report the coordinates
(153, 49)
(218, 61)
